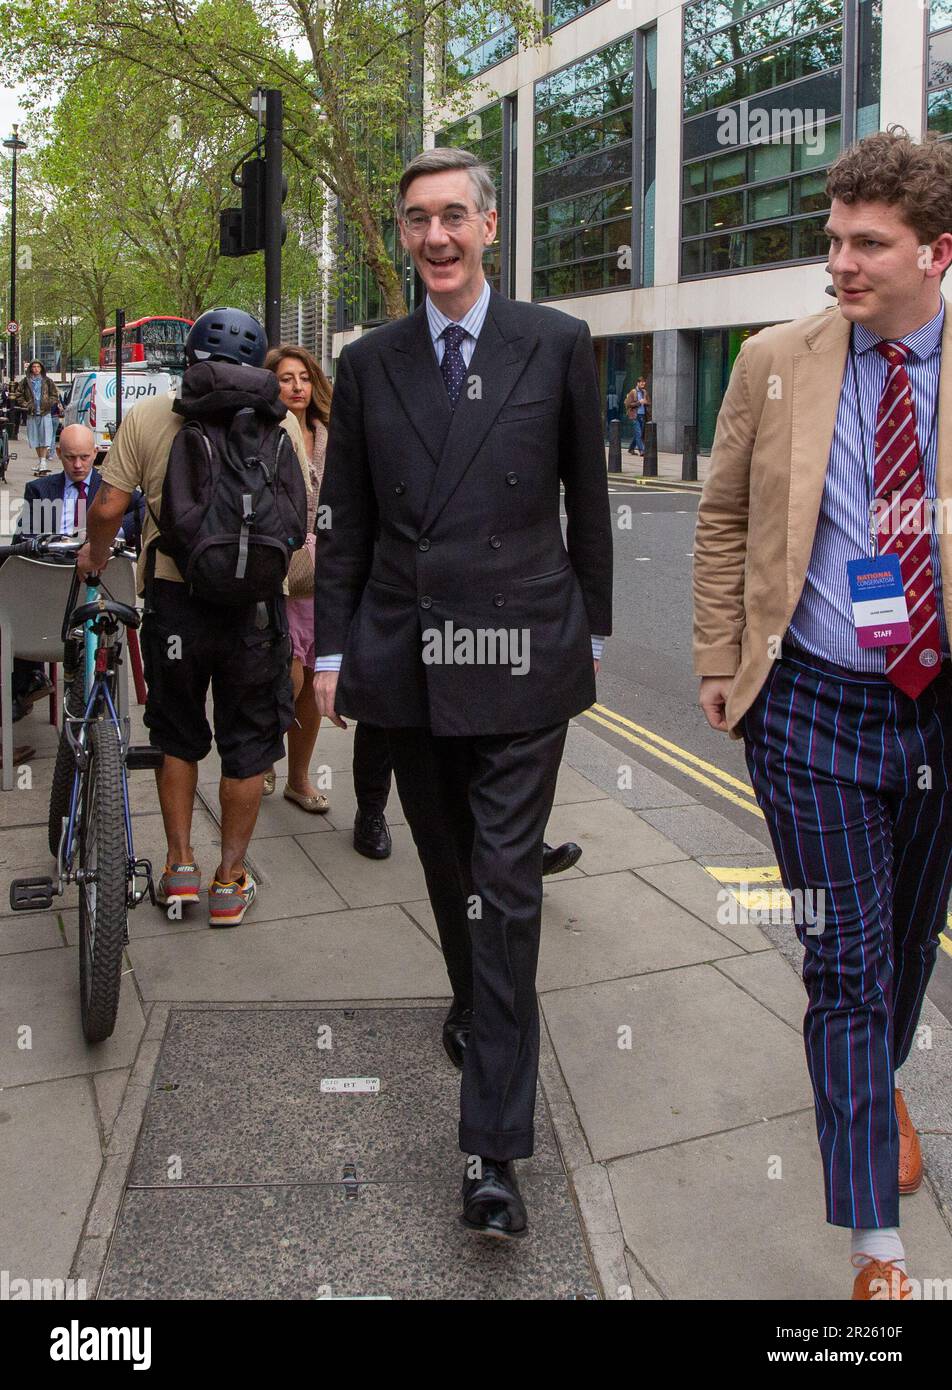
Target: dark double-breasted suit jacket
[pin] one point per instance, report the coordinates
(433, 516)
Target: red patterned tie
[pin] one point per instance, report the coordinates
(902, 529)
(79, 521)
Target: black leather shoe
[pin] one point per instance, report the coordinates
(456, 1033)
(556, 861)
(492, 1203)
(372, 835)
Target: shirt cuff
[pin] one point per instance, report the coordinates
(328, 663)
(598, 646)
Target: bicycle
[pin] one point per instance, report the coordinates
(90, 823)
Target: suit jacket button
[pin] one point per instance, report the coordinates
(498, 600)
(400, 489)
(495, 542)
(424, 544)
(426, 601)
(512, 479)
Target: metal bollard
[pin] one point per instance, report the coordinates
(689, 455)
(614, 446)
(650, 463)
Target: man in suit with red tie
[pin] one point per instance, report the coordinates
(819, 525)
(463, 624)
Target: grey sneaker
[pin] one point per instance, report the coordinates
(180, 883)
(228, 902)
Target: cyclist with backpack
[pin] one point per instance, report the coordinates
(224, 473)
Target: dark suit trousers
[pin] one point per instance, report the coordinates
(477, 808)
(855, 781)
(372, 766)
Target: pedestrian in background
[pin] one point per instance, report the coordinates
(306, 392)
(636, 408)
(37, 397)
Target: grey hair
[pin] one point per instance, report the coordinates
(438, 161)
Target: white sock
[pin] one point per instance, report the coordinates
(880, 1243)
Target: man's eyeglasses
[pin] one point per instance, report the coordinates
(451, 220)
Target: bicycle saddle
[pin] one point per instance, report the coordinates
(130, 616)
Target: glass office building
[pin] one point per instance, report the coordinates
(670, 187)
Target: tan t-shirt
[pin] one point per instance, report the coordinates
(140, 456)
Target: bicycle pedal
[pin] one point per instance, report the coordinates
(31, 894)
(143, 755)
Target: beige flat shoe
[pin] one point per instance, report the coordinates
(317, 805)
(268, 783)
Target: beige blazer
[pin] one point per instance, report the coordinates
(760, 504)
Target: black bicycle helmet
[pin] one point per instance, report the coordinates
(226, 335)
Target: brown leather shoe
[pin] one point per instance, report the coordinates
(910, 1154)
(880, 1280)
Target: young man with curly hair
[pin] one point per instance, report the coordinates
(821, 637)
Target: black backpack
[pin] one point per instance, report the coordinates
(234, 503)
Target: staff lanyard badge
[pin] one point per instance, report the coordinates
(879, 602)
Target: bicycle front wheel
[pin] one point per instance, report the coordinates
(102, 889)
(64, 766)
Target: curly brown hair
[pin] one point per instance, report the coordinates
(890, 167)
(320, 404)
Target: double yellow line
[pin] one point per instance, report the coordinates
(731, 788)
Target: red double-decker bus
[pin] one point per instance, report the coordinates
(157, 342)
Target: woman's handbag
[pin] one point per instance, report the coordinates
(301, 571)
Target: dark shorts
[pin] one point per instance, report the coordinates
(244, 653)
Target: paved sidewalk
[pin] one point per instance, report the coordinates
(193, 1154)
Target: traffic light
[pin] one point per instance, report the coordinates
(242, 230)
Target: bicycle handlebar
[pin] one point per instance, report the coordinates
(56, 548)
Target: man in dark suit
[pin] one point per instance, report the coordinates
(56, 504)
(458, 619)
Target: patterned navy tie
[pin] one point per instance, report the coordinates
(453, 367)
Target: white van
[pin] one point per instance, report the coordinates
(92, 401)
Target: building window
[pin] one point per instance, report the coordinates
(939, 69)
(763, 120)
(559, 12)
(648, 173)
(717, 353)
(583, 136)
(482, 134)
(482, 45)
(619, 363)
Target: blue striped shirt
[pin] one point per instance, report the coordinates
(472, 321)
(823, 620)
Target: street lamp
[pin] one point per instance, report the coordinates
(15, 144)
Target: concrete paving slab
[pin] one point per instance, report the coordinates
(40, 990)
(696, 891)
(605, 765)
(28, 931)
(392, 1241)
(707, 1220)
(573, 787)
(924, 1079)
(51, 1158)
(289, 882)
(703, 1057)
(769, 979)
(364, 882)
(610, 925)
(611, 837)
(365, 953)
(110, 1087)
(22, 845)
(704, 833)
(247, 1105)
(343, 806)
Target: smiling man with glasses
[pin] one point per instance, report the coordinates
(450, 433)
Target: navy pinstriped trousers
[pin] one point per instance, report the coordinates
(840, 764)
